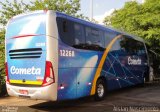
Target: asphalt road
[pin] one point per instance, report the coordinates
(133, 99)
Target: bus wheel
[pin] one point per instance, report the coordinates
(146, 78)
(100, 90)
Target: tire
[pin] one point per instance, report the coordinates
(146, 78)
(100, 90)
(143, 83)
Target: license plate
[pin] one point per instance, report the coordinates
(24, 92)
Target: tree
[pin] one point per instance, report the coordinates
(69, 7)
(139, 19)
(2, 52)
(2, 63)
(10, 9)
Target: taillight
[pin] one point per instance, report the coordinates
(6, 69)
(49, 74)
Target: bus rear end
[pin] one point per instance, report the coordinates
(30, 70)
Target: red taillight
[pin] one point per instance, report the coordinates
(6, 69)
(49, 74)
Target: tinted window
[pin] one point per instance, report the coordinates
(116, 46)
(94, 37)
(128, 45)
(124, 44)
(79, 37)
(131, 46)
(140, 48)
(65, 28)
(108, 37)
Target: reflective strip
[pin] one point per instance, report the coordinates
(99, 69)
(26, 82)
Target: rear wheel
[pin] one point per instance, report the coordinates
(146, 78)
(100, 90)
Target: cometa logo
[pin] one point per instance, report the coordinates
(27, 71)
(134, 61)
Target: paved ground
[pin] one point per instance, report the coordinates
(133, 99)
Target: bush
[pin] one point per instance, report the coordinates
(2, 64)
(2, 83)
(3, 89)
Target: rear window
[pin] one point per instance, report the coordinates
(25, 25)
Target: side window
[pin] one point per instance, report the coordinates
(128, 45)
(132, 46)
(94, 37)
(124, 44)
(79, 37)
(116, 46)
(109, 35)
(89, 38)
(65, 29)
(140, 48)
(101, 34)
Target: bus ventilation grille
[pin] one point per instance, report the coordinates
(25, 53)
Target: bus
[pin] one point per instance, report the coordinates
(54, 56)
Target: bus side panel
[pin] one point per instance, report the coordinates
(79, 67)
(119, 73)
(111, 73)
(76, 71)
(67, 83)
(84, 78)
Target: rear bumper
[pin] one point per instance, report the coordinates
(41, 93)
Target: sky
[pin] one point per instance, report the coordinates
(101, 8)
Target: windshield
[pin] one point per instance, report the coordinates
(27, 25)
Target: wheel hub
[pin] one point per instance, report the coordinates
(100, 90)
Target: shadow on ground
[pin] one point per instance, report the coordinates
(88, 103)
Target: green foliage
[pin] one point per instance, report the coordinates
(69, 7)
(2, 58)
(139, 19)
(10, 9)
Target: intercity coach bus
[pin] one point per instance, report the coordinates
(54, 56)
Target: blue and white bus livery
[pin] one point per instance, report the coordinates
(53, 56)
